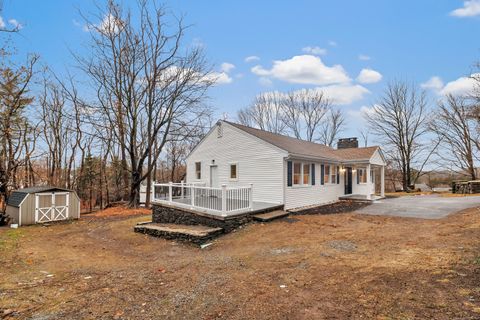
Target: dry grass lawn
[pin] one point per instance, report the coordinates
(342, 266)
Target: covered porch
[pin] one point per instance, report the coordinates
(222, 202)
(363, 181)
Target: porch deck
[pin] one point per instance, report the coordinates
(360, 197)
(215, 204)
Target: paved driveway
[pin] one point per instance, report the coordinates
(425, 206)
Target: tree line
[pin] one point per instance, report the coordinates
(135, 104)
(413, 132)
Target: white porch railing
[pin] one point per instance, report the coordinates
(221, 201)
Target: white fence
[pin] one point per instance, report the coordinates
(220, 201)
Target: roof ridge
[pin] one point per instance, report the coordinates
(277, 134)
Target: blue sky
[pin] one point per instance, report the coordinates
(293, 45)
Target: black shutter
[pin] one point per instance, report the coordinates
(338, 175)
(358, 176)
(313, 174)
(289, 173)
(322, 172)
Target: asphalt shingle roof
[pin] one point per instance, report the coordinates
(309, 149)
(17, 196)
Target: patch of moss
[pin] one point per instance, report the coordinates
(10, 239)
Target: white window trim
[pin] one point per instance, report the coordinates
(196, 175)
(230, 171)
(301, 185)
(364, 170)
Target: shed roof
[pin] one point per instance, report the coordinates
(17, 196)
(306, 148)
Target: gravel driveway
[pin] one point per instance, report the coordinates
(422, 206)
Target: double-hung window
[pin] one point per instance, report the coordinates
(326, 174)
(362, 175)
(333, 174)
(302, 174)
(306, 173)
(198, 170)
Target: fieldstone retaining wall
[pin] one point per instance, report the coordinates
(167, 214)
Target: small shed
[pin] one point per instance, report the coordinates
(42, 204)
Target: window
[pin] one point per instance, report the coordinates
(372, 176)
(297, 173)
(301, 175)
(333, 174)
(306, 173)
(233, 171)
(198, 170)
(326, 174)
(362, 175)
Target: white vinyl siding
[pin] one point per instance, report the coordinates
(257, 162)
(316, 194)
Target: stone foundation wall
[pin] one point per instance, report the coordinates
(167, 214)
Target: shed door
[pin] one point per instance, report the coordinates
(51, 206)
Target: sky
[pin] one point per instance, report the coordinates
(349, 49)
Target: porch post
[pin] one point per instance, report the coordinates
(382, 181)
(170, 184)
(224, 199)
(192, 195)
(250, 205)
(369, 182)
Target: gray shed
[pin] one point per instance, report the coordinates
(42, 204)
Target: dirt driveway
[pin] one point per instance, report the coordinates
(421, 206)
(341, 266)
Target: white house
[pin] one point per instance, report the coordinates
(282, 170)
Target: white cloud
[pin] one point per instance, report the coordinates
(305, 69)
(344, 94)
(332, 43)
(109, 24)
(434, 83)
(15, 24)
(265, 82)
(315, 50)
(2, 23)
(470, 8)
(251, 58)
(458, 87)
(363, 57)
(369, 76)
(219, 77)
(461, 86)
(227, 67)
(357, 115)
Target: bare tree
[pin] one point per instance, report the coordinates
(15, 97)
(265, 113)
(400, 122)
(455, 127)
(304, 112)
(148, 87)
(331, 127)
(364, 133)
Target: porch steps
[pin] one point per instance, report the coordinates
(194, 233)
(269, 216)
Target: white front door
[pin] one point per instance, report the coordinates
(214, 177)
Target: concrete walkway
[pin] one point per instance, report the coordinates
(423, 206)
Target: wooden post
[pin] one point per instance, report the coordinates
(192, 195)
(250, 205)
(382, 181)
(369, 183)
(170, 187)
(181, 191)
(224, 199)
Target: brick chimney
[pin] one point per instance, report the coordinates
(347, 143)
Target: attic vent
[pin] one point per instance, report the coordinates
(219, 130)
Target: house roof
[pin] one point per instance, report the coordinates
(19, 195)
(309, 149)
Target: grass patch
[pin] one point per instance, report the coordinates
(10, 239)
(477, 261)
